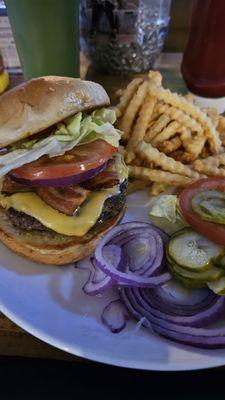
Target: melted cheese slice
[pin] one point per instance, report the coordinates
(78, 225)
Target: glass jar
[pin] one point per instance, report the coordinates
(123, 36)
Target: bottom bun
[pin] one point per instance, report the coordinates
(49, 247)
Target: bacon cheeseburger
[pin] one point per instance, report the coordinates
(63, 184)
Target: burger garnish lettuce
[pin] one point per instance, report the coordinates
(63, 182)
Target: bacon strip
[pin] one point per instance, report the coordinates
(11, 187)
(64, 199)
(67, 199)
(105, 179)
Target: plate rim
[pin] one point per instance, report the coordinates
(91, 356)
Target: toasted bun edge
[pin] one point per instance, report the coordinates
(38, 248)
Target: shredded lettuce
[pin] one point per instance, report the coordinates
(166, 207)
(104, 115)
(121, 167)
(86, 128)
(75, 130)
(166, 214)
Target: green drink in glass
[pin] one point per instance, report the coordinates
(46, 33)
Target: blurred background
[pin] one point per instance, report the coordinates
(175, 41)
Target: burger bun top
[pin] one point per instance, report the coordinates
(42, 102)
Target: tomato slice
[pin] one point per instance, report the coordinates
(213, 231)
(82, 158)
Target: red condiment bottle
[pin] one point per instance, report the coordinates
(203, 65)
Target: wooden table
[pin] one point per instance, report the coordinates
(14, 340)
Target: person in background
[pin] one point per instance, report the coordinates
(108, 7)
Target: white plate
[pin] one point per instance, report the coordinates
(48, 302)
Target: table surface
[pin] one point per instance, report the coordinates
(14, 340)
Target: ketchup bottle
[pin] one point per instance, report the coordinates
(203, 65)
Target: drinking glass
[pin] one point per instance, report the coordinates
(46, 34)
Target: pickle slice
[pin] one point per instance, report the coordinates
(218, 286)
(221, 262)
(209, 275)
(189, 283)
(210, 205)
(192, 251)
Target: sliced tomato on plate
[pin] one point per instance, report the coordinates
(213, 231)
(82, 158)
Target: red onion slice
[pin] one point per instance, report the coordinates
(132, 238)
(114, 316)
(183, 329)
(174, 299)
(63, 181)
(141, 227)
(142, 252)
(197, 318)
(97, 288)
(98, 282)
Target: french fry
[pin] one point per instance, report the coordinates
(136, 161)
(193, 145)
(170, 141)
(135, 185)
(215, 160)
(157, 127)
(205, 152)
(140, 127)
(155, 117)
(210, 165)
(221, 124)
(192, 110)
(222, 137)
(128, 94)
(186, 158)
(156, 188)
(221, 128)
(167, 132)
(180, 116)
(132, 110)
(170, 145)
(182, 156)
(177, 154)
(186, 136)
(196, 145)
(155, 77)
(119, 93)
(121, 150)
(118, 113)
(151, 154)
(156, 175)
(210, 170)
(190, 97)
(213, 114)
(151, 123)
(145, 163)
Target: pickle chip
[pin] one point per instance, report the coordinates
(210, 205)
(192, 251)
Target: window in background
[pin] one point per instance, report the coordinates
(7, 44)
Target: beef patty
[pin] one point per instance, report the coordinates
(112, 206)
